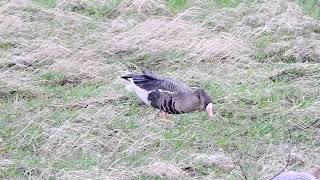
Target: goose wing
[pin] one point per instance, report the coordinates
(173, 102)
(150, 82)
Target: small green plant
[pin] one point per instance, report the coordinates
(52, 77)
(11, 172)
(100, 13)
(311, 6)
(226, 3)
(229, 3)
(177, 5)
(79, 92)
(46, 3)
(71, 93)
(6, 45)
(77, 160)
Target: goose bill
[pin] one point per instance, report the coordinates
(209, 109)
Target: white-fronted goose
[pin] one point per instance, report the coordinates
(168, 95)
(296, 175)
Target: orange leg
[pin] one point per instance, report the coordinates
(164, 115)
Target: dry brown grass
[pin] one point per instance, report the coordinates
(163, 169)
(220, 160)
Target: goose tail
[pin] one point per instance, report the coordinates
(130, 85)
(128, 82)
(126, 77)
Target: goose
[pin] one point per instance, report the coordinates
(168, 95)
(296, 175)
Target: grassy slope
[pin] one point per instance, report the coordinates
(65, 114)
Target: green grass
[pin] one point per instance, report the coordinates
(229, 3)
(30, 163)
(177, 5)
(77, 160)
(71, 93)
(6, 45)
(80, 92)
(106, 11)
(46, 3)
(312, 7)
(52, 76)
(60, 116)
(226, 3)
(12, 172)
(264, 42)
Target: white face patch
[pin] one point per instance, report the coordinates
(209, 107)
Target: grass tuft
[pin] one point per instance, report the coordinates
(177, 5)
(6, 45)
(46, 3)
(312, 7)
(101, 13)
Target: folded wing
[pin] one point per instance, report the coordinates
(150, 82)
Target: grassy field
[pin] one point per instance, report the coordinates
(64, 113)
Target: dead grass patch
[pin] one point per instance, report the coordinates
(164, 35)
(45, 54)
(17, 84)
(294, 51)
(85, 64)
(164, 170)
(296, 74)
(219, 160)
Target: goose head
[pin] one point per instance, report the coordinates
(205, 102)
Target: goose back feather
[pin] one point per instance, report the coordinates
(150, 82)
